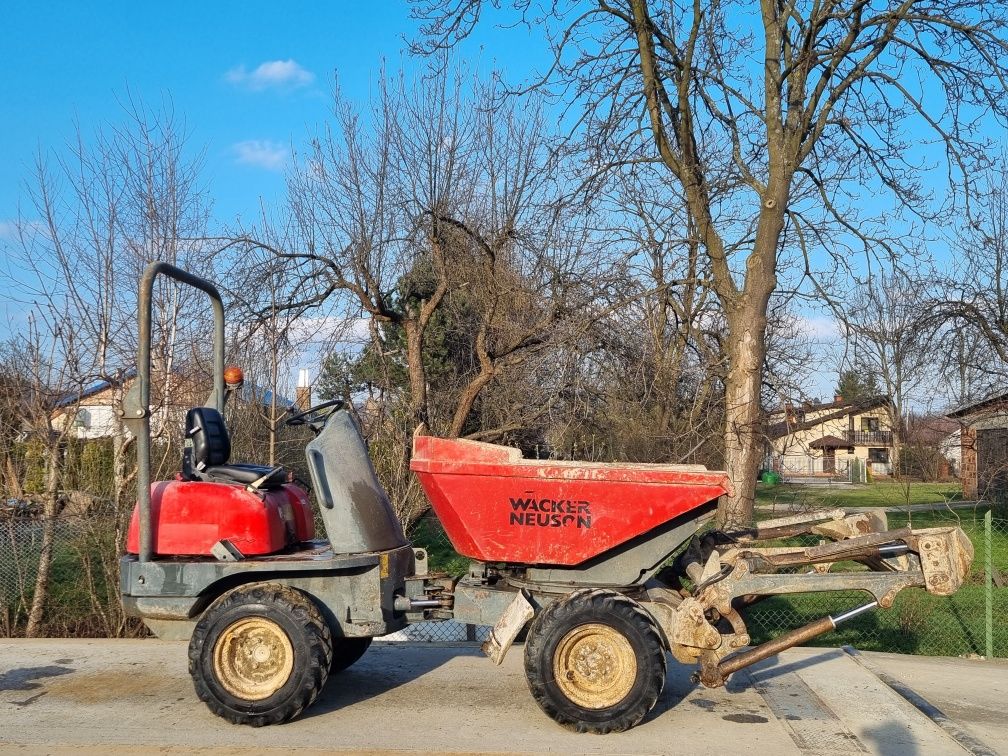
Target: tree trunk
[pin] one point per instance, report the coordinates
(466, 401)
(274, 380)
(417, 372)
(50, 513)
(41, 593)
(746, 350)
(896, 418)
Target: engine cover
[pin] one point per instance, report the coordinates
(189, 517)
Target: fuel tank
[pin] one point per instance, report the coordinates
(189, 517)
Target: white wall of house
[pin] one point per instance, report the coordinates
(96, 421)
(951, 448)
(794, 454)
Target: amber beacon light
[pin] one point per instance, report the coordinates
(233, 376)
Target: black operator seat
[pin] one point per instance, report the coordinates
(211, 448)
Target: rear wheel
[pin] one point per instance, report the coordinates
(260, 654)
(595, 661)
(346, 651)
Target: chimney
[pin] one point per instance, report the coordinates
(302, 395)
(838, 398)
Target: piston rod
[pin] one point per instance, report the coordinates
(407, 604)
(716, 676)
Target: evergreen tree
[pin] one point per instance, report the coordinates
(856, 385)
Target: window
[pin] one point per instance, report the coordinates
(869, 423)
(878, 455)
(83, 419)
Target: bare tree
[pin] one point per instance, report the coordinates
(100, 210)
(450, 191)
(652, 383)
(267, 334)
(892, 337)
(103, 209)
(974, 301)
(44, 364)
(766, 117)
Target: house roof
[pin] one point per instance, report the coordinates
(249, 392)
(928, 429)
(840, 409)
(977, 406)
(95, 388)
(828, 442)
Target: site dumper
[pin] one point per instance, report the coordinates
(607, 567)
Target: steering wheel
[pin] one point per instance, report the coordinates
(313, 415)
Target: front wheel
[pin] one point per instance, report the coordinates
(260, 654)
(595, 661)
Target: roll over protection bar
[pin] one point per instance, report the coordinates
(135, 411)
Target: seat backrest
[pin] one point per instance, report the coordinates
(210, 442)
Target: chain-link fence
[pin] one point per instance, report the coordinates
(81, 589)
(971, 622)
(83, 598)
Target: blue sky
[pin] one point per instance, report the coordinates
(249, 80)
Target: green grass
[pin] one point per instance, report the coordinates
(918, 622)
(428, 534)
(879, 494)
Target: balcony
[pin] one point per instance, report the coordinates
(868, 438)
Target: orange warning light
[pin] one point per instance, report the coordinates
(233, 376)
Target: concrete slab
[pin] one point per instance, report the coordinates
(98, 695)
(973, 692)
(137, 694)
(836, 706)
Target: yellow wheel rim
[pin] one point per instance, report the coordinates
(595, 666)
(253, 658)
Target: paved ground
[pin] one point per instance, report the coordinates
(973, 694)
(58, 696)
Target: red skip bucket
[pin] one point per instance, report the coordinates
(497, 506)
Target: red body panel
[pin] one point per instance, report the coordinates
(189, 517)
(498, 507)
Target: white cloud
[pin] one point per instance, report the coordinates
(819, 329)
(273, 74)
(332, 329)
(261, 153)
(11, 230)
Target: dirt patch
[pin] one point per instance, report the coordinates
(745, 718)
(102, 687)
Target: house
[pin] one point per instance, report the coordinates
(94, 411)
(951, 448)
(930, 447)
(822, 438)
(984, 447)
